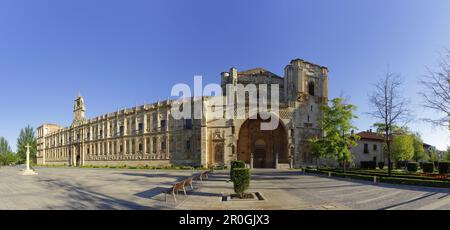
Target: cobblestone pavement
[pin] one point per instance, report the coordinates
(76, 188)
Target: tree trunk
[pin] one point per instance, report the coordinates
(388, 144)
(389, 157)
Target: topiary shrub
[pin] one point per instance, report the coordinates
(428, 167)
(443, 167)
(241, 180)
(235, 164)
(381, 165)
(368, 165)
(412, 166)
(436, 164)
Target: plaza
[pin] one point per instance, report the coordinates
(70, 188)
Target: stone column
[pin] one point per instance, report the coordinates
(125, 125)
(251, 160)
(107, 147)
(44, 154)
(276, 160)
(144, 122)
(291, 161)
(167, 146)
(151, 145)
(144, 145)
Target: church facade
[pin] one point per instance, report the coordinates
(149, 134)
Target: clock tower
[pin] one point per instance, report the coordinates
(79, 111)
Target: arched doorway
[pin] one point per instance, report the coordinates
(264, 144)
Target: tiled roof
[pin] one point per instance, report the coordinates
(257, 71)
(371, 136)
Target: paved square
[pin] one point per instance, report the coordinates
(77, 188)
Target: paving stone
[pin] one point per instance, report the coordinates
(86, 189)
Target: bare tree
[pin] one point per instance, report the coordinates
(436, 91)
(389, 107)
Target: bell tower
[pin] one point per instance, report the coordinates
(79, 110)
(304, 81)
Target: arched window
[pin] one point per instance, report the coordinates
(311, 88)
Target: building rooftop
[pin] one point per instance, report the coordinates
(257, 71)
(368, 135)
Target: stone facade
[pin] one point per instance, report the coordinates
(369, 148)
(149, 135)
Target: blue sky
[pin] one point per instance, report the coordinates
(122, 53)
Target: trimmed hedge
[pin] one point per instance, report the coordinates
(394, 174)
(428, 167)
(412, 166)
(393, 180)
(443, 167)
(417, 182)
(241, 180)
(381, 165)
(234, 165)
(368, 165)
(237, 164)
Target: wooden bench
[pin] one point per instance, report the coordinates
(189, 182)
(202, 175)
(174, 190)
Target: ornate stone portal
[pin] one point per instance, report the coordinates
(265, 145)
(149, 135)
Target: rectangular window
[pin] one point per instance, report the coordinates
(163, 145)
(121, 130)
(366, 148)
(375, 147)
(188, 123)
(121, 148)
(140, 147)
(140, 127)
(163, 124)
(188, 145)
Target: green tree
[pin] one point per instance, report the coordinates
(396, 130)
(402, 147)
(447, 154)
(419, 152)
(389, 107)
(338, 138)
(6, 155)
(317, 148)
(26, 136)
(434, 155)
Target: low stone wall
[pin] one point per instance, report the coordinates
(128, 163)
(54, 163)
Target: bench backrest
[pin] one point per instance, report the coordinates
(178, 186)
(188, 181)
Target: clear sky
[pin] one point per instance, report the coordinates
(124, 53)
